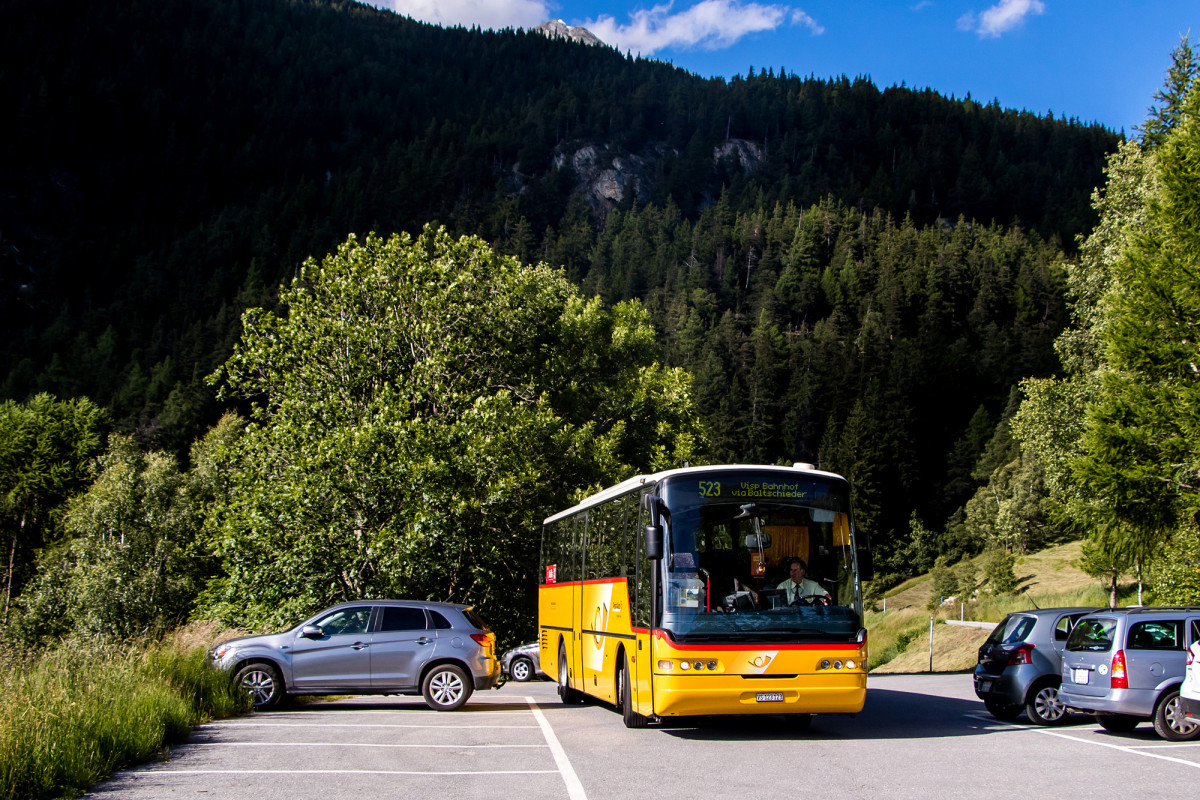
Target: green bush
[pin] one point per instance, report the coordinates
(75, 714)
(999, 569)
(945, 583)
(892, 649)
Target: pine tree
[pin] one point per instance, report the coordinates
(1162, 119)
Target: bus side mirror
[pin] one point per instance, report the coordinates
(866, 565)
(654, 542)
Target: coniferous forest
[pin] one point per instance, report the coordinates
(855, 276)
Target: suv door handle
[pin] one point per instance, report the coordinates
(424, 640)
(359, 646)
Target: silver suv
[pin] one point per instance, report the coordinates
(1020, 663)
(439, 650)
(1126, 665)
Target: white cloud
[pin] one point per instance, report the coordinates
(1000, 18)
(495, 14)
(709, 25)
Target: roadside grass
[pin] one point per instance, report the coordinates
(74, 714)
(899, 636)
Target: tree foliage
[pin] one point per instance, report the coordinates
(419, 405)
(1140, 452)
(999, 570)
(1117, 434)
(46, 450)
(136, 560)
(1167, 113)
(944, 582)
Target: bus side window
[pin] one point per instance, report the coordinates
(551, 552)
(622, 528)
(604, 540)
(559, 550)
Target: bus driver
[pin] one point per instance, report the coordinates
(798, 587)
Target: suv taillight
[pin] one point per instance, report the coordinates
(1119, 679)
(1191, 657)
(485, 639)
(1022, 655)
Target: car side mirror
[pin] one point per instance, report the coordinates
(312, 632)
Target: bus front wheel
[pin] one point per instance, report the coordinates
(632, 718)
(566, 694)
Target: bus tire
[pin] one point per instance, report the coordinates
(632, 718)
(568, 696)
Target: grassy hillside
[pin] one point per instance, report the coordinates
(899, 636)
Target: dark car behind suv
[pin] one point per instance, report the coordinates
(1020, 664)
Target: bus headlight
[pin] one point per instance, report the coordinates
(695, 665)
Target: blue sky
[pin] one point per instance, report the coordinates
(1093, 60)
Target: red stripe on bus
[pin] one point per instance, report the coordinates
(755, 645)
(582, 583)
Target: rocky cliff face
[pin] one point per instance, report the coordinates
(607, 176)
(557, 29)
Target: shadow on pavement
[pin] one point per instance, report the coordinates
(888, 714)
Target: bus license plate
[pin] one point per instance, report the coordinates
(769, 697)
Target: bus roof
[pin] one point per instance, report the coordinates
(641, 480)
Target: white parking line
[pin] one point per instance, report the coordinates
(419, 711)
(158, 773)
(357, 725)
(355, 744)
(574, 786)
(1137, 750)
(1177, 745)
(1123, 748)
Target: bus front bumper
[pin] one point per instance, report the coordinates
(825, 693)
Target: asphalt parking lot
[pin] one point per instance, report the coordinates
(921, 736)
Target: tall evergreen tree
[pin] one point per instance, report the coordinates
(1167, 113)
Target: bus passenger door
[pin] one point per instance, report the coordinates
(597, 648)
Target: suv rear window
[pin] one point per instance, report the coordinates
(474, 619)
(1093, 634)
(1014, 629)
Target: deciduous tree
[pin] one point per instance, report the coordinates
(46, 450)
(419, 406)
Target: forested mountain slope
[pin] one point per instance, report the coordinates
(798, 240)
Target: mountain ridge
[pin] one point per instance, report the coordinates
(557, 29)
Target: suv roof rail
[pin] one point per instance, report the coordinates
(1143, 609)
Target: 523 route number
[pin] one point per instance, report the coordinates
(709, 488)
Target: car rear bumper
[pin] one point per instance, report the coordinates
(1131, 702)
(1190, 707)
(490, 680)
(1003, 688)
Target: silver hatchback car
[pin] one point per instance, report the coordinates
(1021, 661)
(1126, 665)
(439, 650)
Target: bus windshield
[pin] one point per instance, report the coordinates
(759, 555)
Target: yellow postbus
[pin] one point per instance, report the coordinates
(708, 590)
